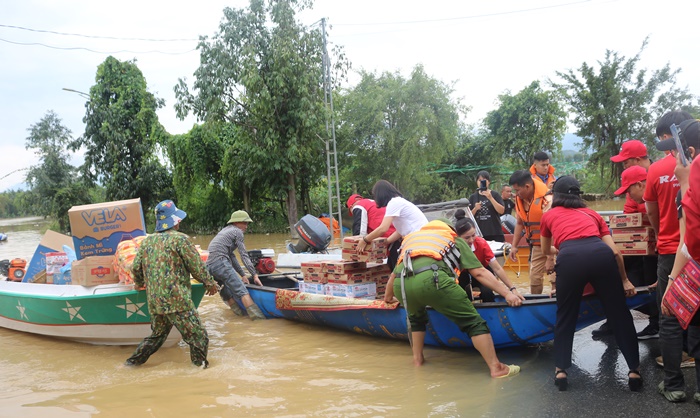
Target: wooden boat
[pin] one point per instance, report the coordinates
(529, 324)
(111, 314)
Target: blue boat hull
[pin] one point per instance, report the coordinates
(529, 324)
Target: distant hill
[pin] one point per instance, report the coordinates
(570, 142)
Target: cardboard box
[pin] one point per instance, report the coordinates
(349, 278)
(377, 244)
(315, 277)
(343, 267)
(50, 242)
(352, 290)
(97, 229)
(93, 271)
(636, 248)
(373, 257)
(54, 262)
(315, 288)
(645, 233)
(629, 220)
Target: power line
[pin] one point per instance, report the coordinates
(97, 52)
(98, 36)
(408, 22)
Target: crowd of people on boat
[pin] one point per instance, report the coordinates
(437, 263)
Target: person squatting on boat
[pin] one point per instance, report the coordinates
(688, 203)
(586, 254)
(164, 262)
(223, 265)
(531, 201)
(467, 231)
(402, 214)
(426, 278)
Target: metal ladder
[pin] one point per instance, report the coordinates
(334, 204)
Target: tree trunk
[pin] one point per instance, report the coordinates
(292, 204)
(246, 198)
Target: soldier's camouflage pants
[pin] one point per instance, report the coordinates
(189, 325)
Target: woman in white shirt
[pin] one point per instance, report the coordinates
(404, 215)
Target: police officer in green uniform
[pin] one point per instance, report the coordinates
(429, 280)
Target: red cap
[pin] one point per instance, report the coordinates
(352, 199)
(633, 148)
(630, 176)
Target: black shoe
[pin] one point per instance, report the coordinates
(603, 331)
(635, 383)
(561, 382)
(648, 333)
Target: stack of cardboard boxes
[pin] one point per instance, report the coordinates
(364, 278)
(633, 234)
(97, 230)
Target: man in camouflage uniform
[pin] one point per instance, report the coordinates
(163, 264)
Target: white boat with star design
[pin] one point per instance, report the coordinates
(112, 314)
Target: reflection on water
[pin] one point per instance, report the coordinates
(286, 369)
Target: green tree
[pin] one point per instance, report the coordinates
(48, 138)
(530, 121)
(399, 129)
(617, 101)
(262, 73)
(122, 135)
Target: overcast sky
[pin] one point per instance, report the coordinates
(485, 47)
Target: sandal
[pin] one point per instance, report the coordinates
(635, 383)
(512, 371)
(561, 382)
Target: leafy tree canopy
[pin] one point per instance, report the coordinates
(615, 101)
(121, 136)
(530, 121)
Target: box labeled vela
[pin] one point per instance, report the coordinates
(645, 233)
(97, 229)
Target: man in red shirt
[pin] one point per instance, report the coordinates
(660, 197)
(640, 270)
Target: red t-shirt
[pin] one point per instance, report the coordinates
(482, 251)
(691, 208)
(562, 224)
(633, 207)
(662, 188)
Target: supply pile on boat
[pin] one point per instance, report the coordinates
(633, 234)
(359, 275)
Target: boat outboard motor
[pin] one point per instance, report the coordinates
(508, 223)
(314, 235)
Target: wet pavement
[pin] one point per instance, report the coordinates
(597, 382)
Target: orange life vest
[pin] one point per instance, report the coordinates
(435, 240)
(550, 175)
(531, 218)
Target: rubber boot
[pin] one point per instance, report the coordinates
(255, 313)
(235, 307)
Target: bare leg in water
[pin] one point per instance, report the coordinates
(483, 343)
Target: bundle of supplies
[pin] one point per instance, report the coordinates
(633, 234)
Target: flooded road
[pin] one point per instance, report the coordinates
(279, 368)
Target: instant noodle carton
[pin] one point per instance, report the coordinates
(93, 271)
(349, 278)
(629, 220)
(343, 267)
(97, 229)
(315, 288)
(315, 277)
(633, 234)
(50, 242)
(636, 248)
(352, 290)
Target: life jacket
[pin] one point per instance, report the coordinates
(550, 175)
(531, 219)
(435, 240)
(375, 215)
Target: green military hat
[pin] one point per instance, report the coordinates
(239, 216)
